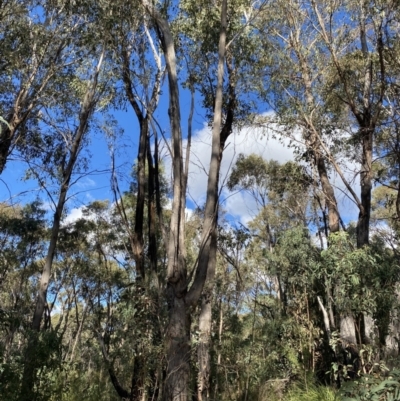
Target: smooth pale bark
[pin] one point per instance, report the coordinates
(180, 298)
(365, 106)
(326, 317)
(368, 112)
(219, 137)
(86, 111)
(347, 329)
(211, 216)
(314, 142)
(312, 137)
(178, 331)
(176, 269)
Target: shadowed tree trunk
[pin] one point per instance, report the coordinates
(205, 322)
(180, 297)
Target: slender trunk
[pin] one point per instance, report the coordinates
(366, 189)
(326, 318)
(329, 303)
(253, 325)
(151, 216)
(179, 298)
(178, 332)
(205, 322)
(314, 140)
(137, 240)
(220, 330)
(219, 137)
(366, 132)
(79, 332)
(30, 367)
(330, 199)
(176, 269)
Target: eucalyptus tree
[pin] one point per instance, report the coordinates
(357, 81)
(198, 27)
(386, 151)
(295, 69)
(69, 123)
(110, 310)
(357, 85)
(180, 295)
(36, 54)
(23, 237)
(139, 66)
(333, 69)
(276, 279)
(297, 76)
(283, 196)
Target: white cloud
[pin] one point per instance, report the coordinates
(85, 182)
(247, 141)
(262, 142)
(74, 215)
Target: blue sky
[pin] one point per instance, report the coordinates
(96, 185)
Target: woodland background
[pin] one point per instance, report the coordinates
(205, 267)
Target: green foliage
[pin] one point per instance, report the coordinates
(268, 326)
(310, 392)
(380, 386)
(350, 269)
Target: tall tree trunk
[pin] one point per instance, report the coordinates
(314, 142)
(138, 241)
(312, 137)
(205, 323)
(88, 104)
(137, 238)
(178, 332)
(151, 216)
(329, 194)
(366, 131)
(366, 188)
(180, 298)
(178, 352)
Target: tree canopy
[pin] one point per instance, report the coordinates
(203, 265)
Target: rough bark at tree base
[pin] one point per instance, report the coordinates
(178, 353)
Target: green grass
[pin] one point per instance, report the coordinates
(299, 392)
(311, 392)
